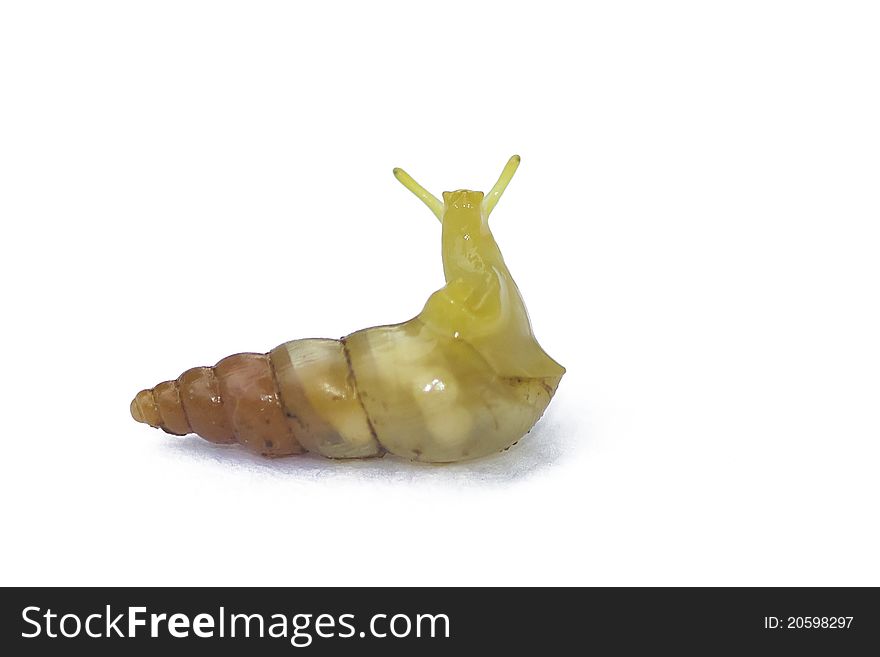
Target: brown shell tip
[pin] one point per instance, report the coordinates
(136, 411)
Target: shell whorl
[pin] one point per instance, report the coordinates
(235, 401)
(300, 396)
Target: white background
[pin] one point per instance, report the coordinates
(694, 228)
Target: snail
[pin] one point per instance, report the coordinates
(464, 378)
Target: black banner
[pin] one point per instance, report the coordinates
(108, 621)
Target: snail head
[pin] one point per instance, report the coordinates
(462, 202)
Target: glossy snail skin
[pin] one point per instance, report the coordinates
(463, 379)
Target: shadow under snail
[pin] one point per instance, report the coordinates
(463, 379)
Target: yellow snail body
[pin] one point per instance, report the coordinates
(463, 379)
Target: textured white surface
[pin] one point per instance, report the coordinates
(695, 229)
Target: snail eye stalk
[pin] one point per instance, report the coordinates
(491, 199)
(435, 204)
